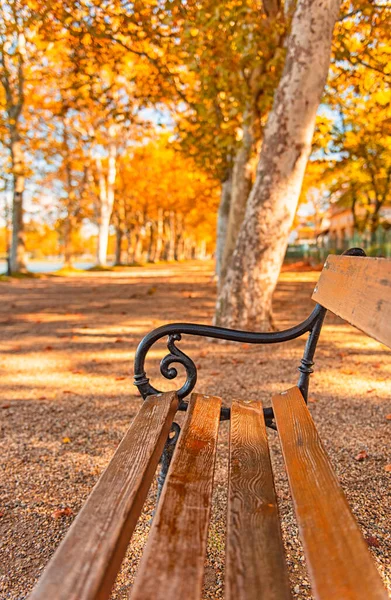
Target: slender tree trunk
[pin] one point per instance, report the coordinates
(241, 187)
(152, 242)
(119, 234)
(245, 299)
(171, 236)
(159, 235)
(178, 250)
(129, 249)
(106, 200)
(222, 221)
(18, 238)
(67, 248)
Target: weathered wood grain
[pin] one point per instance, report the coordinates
(86, 563)
(358, 289)
(255, 564)
(173, 562)
(339, 563)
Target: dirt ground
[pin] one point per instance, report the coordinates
(66, 399)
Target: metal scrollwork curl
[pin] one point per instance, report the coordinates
(177, 356)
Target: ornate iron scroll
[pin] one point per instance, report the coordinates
(174, 331)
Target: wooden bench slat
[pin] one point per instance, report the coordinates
(255, 564)
(338, 559)
(86, 563)
(173, 562)
(358, 289)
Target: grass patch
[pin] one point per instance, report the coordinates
(99, 269)
(66, 272)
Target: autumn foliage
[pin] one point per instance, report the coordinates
(123, 122)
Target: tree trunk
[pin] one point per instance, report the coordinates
(67, 242)
(241, 187)
(222, 221)
(151, 243)
(178, 250)
(18, 239)
(129, 248)
(245, 300)
(118, 244)
(106, 201)
(171, 236)
(159, 235)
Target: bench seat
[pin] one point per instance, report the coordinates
(339, 562)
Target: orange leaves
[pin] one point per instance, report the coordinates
(372, 541)
(62, 512)
(361, 456)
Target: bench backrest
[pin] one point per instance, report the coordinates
(358, 289)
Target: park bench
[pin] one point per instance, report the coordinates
(85, 565)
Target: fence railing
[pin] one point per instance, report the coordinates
(377, 244)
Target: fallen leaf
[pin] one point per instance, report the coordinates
(361, 455)
(388, 417)
(312, 400)
(377, 366)
(42, 398)
(66, 440)
(151, 291)
(118, 341)
(372, 541)
(5, 405)
(62, 512)
(1, 514)
(203, 353)
(348, 372)
(48, 348)
(77, 372)
(245, 346)
(387, 468)
(370, 391)
(120, 378)
(215, 373)
(66, 392)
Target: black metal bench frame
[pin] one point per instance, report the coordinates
(312, 324)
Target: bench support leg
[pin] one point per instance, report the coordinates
(166, 457)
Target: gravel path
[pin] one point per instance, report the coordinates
(66, 400)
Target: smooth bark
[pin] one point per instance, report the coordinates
(241, 187)
(18, 239)
(222, 221)
(106, 199)
(245, 299)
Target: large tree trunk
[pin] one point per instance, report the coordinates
(222, 221)
(18, 241)
(245, 299)
(241, 187)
